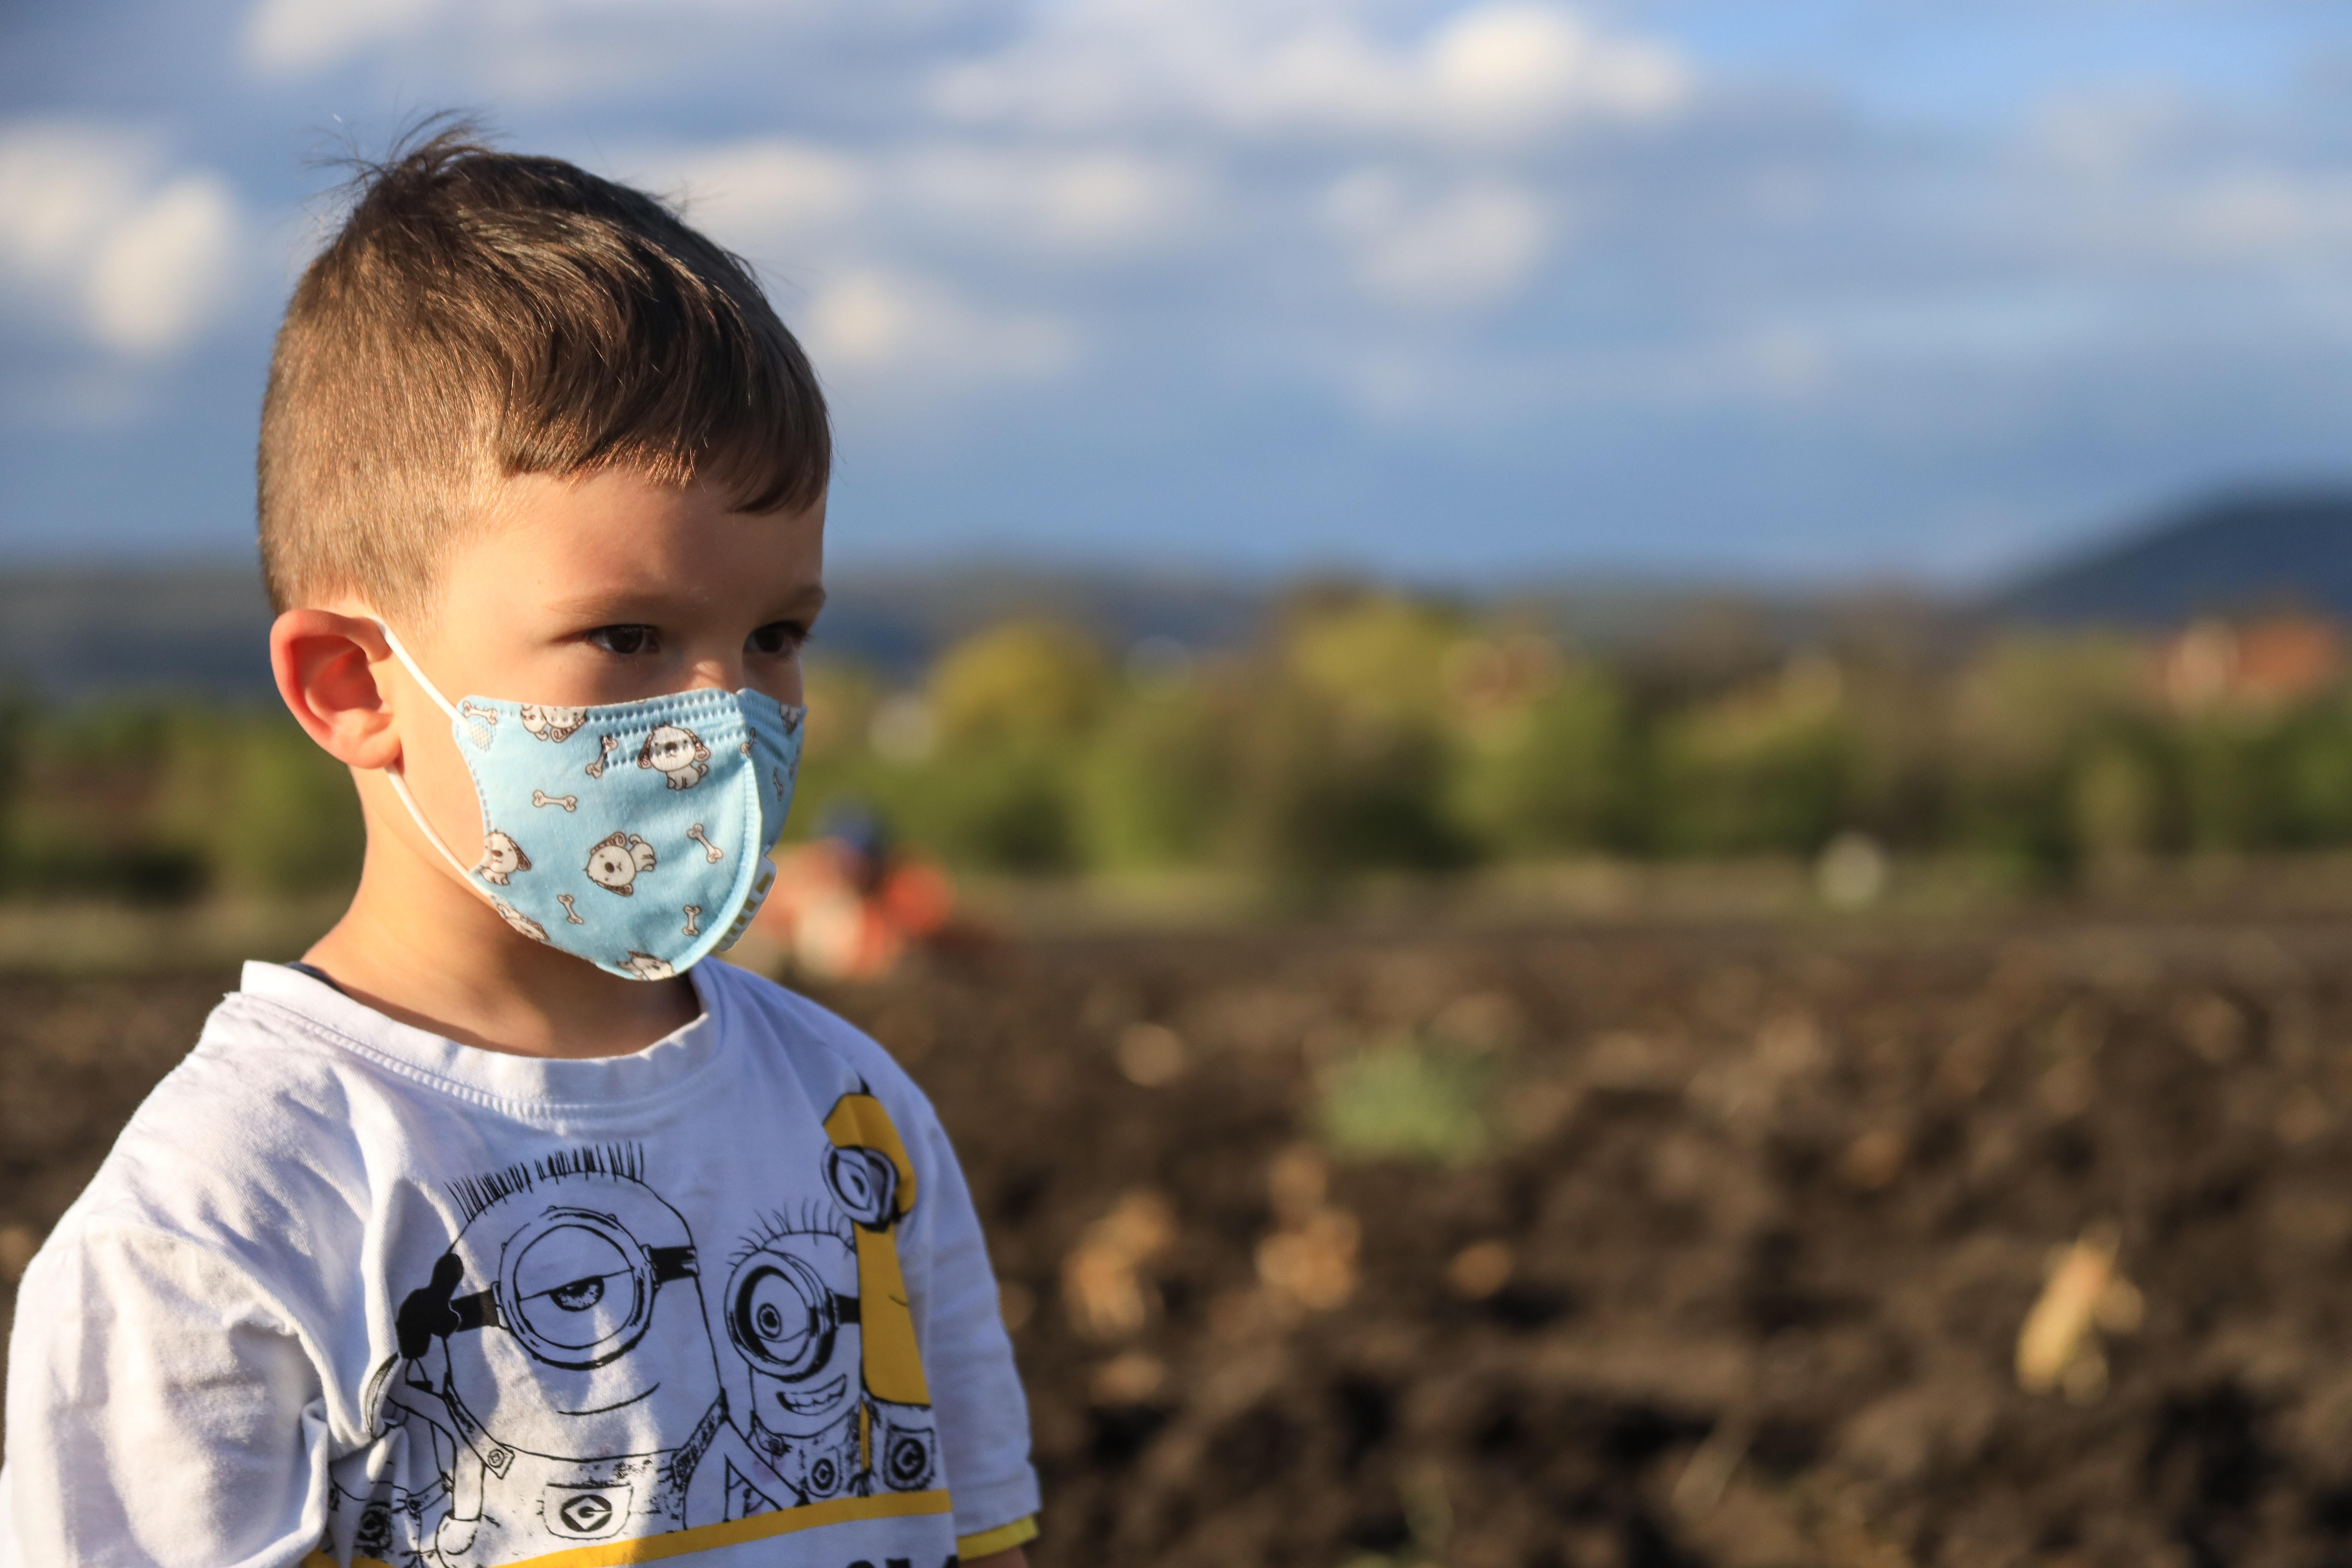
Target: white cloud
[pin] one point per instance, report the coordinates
(165, 266)
(2265, 213)
(1445, 249)
(914, 335)
(1091, 202)
(770, 197)
(284, 38)
(1497, 72)
(94, 230)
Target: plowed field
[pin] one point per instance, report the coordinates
(1701, 1246)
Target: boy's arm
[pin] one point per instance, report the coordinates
(976, 1399)
(161, 1410)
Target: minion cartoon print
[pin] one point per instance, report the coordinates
(816, 1305)
(792, 1311)
(558, 1367)
(572, 1373)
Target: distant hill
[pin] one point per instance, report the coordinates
(2250, 551)
(68, 633)
(72, 632)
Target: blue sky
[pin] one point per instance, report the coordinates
(1791, 290)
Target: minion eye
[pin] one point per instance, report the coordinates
(578, 1295)
(782, 1316)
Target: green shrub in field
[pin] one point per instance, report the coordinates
(1343, 763)
(1322, 792)
(2019, 714)
(1554, 770)
(87, 818)
(2119, 798)
(160, 800)
(1021, 681)
(1381, 660)
(1768, 769)
(1156, 788)
(993, 786)
(2230, 778)
(1004, 807)
(292, 826)
(2313, 774)
(1408, 1098)
(254, 799)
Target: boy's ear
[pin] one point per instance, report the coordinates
(324, 665)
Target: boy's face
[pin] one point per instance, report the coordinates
(573, 593)
(612, 587)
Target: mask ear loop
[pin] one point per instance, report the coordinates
(396, 775)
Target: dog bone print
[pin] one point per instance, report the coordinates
(693, 920)
(611, 744)
(568, 801)
(710, 851)
(569, 913)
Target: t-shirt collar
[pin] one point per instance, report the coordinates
(599, 1080)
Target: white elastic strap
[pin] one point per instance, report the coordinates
(409, 664)
(400, 788)
(400, 782)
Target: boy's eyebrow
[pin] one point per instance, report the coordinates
(808, 600)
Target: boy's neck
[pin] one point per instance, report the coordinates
(420, 948)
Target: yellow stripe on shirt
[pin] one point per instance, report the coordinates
(1003, 1538)
(707, 1537)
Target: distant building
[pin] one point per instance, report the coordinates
(2262, 662)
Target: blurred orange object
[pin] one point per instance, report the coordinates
(846, 909)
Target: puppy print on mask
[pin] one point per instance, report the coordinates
(614, 862)
(520, 920)
(556, 725)
(645, 966)
(501, 858)
(679, 753)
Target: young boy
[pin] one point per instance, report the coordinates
(501, 1230)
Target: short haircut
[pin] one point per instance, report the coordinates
(482, 315)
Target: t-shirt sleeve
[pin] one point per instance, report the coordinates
(163, 1410)
(976, 1399)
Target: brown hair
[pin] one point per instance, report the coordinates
(482, 315)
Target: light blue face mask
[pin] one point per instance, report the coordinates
(633, 834)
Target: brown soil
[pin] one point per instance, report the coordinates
(1744, 1276)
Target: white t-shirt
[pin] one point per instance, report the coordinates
(346, 1292)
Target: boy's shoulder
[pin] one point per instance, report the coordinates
(821, 1042)
(279, 1110)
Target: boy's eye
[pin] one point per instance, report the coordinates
(625, 640)
(777, 637)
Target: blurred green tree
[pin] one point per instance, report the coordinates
(1763, 769)
(1156, 788)
(1011, 709)
(1549, 768)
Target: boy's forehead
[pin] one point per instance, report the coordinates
(615, 532)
